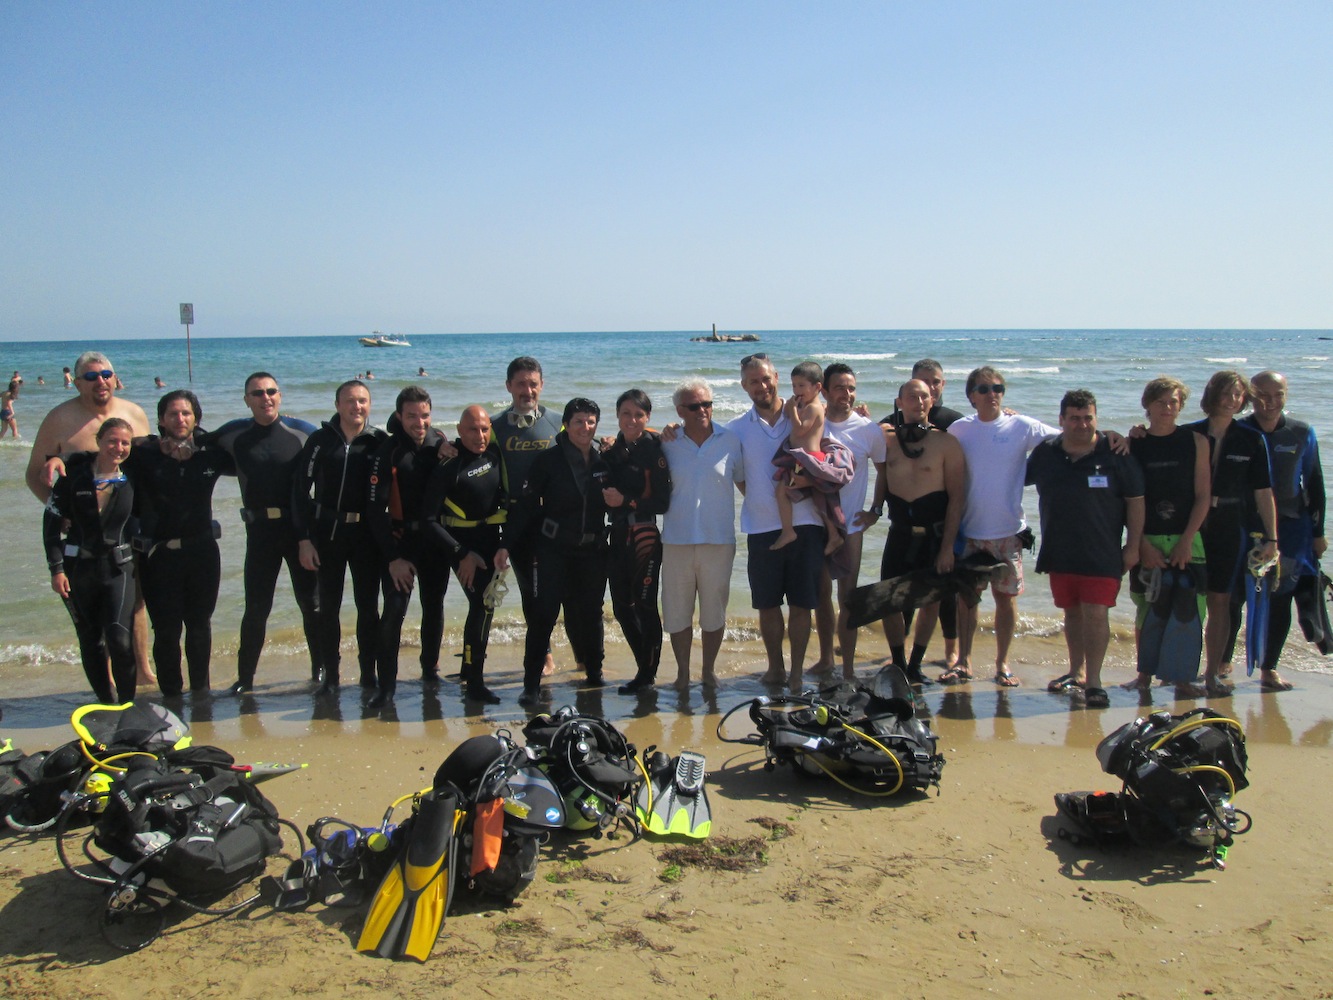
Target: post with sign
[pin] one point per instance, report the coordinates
(187, 319)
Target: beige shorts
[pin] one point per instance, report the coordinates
(1006, 550)
(696, 571)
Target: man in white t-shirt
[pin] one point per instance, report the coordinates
(995, 445)
(698, 528)
(790, 573)
(863, 438)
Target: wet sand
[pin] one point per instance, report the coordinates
(965, 893)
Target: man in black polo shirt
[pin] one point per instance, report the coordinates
(1087, 496)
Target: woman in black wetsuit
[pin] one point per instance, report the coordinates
(92, 567)
(561, 518)
(640, 490)
(179, 574)
(1241, 496)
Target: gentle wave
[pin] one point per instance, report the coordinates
(858, 357)
(1227, 361)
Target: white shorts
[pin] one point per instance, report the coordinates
(690, 571)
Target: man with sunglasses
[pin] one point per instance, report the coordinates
(265, 446)
(72, 426)
(995, 447)
(698, 528)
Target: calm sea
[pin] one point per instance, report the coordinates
(469, 368)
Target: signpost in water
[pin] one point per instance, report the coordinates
(187, 319)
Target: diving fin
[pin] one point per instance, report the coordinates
(408, 909)
(675, 802)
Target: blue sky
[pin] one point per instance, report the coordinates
(326, 168)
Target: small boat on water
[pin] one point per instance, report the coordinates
(377, 339)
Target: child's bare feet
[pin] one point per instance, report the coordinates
(785, 537)
(835, 542)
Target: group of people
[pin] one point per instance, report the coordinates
(571, 511)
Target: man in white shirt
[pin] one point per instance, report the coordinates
(995, 445)
(863, 438)
(791, 572)
(699, 528)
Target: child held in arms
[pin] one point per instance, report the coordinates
(810, 465)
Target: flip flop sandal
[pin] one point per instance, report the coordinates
(955, 675)
(1096, 698)
(1063, 684)
(1277, 685)
(1006, 680)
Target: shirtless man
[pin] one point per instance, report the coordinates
(72, 426)
(925, 481)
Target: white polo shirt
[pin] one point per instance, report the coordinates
(865, 439)
(996, 454)
(703, 495)
(759, 442)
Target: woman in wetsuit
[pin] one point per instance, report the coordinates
(561, 519)
(1176, 500)
(1241, 496)
(92, 567)
(640, 490)
(179, 574)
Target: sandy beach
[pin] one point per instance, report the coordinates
(965, 893)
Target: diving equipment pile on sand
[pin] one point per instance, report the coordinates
(1181, 774)
(480, 825)
(868, 740)
(170, 822)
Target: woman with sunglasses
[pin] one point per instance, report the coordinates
(92, 566)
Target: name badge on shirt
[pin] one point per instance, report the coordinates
(1098, 482)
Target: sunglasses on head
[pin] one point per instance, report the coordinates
(986, 390)
(753, 357)
(706, 404)
(261, 393)
(105, 375)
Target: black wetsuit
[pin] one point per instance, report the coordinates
(329, 510)
(1240, 466)
(463, 511)
(639, 471)
(939, 417)
(265, 457)
(561, 518)
(97, 558)
(916, 528)
(520, 443)
(399, 471)
(181, 571)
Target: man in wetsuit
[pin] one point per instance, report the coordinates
(399, 471)
(865, 440)
(329, 517)
(524, 431)
(1298, 491)
(931, 372)
(72, 426)
(181, 569)
(924, 481)
(1088, 496)
(264, 447)
(463, 511)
